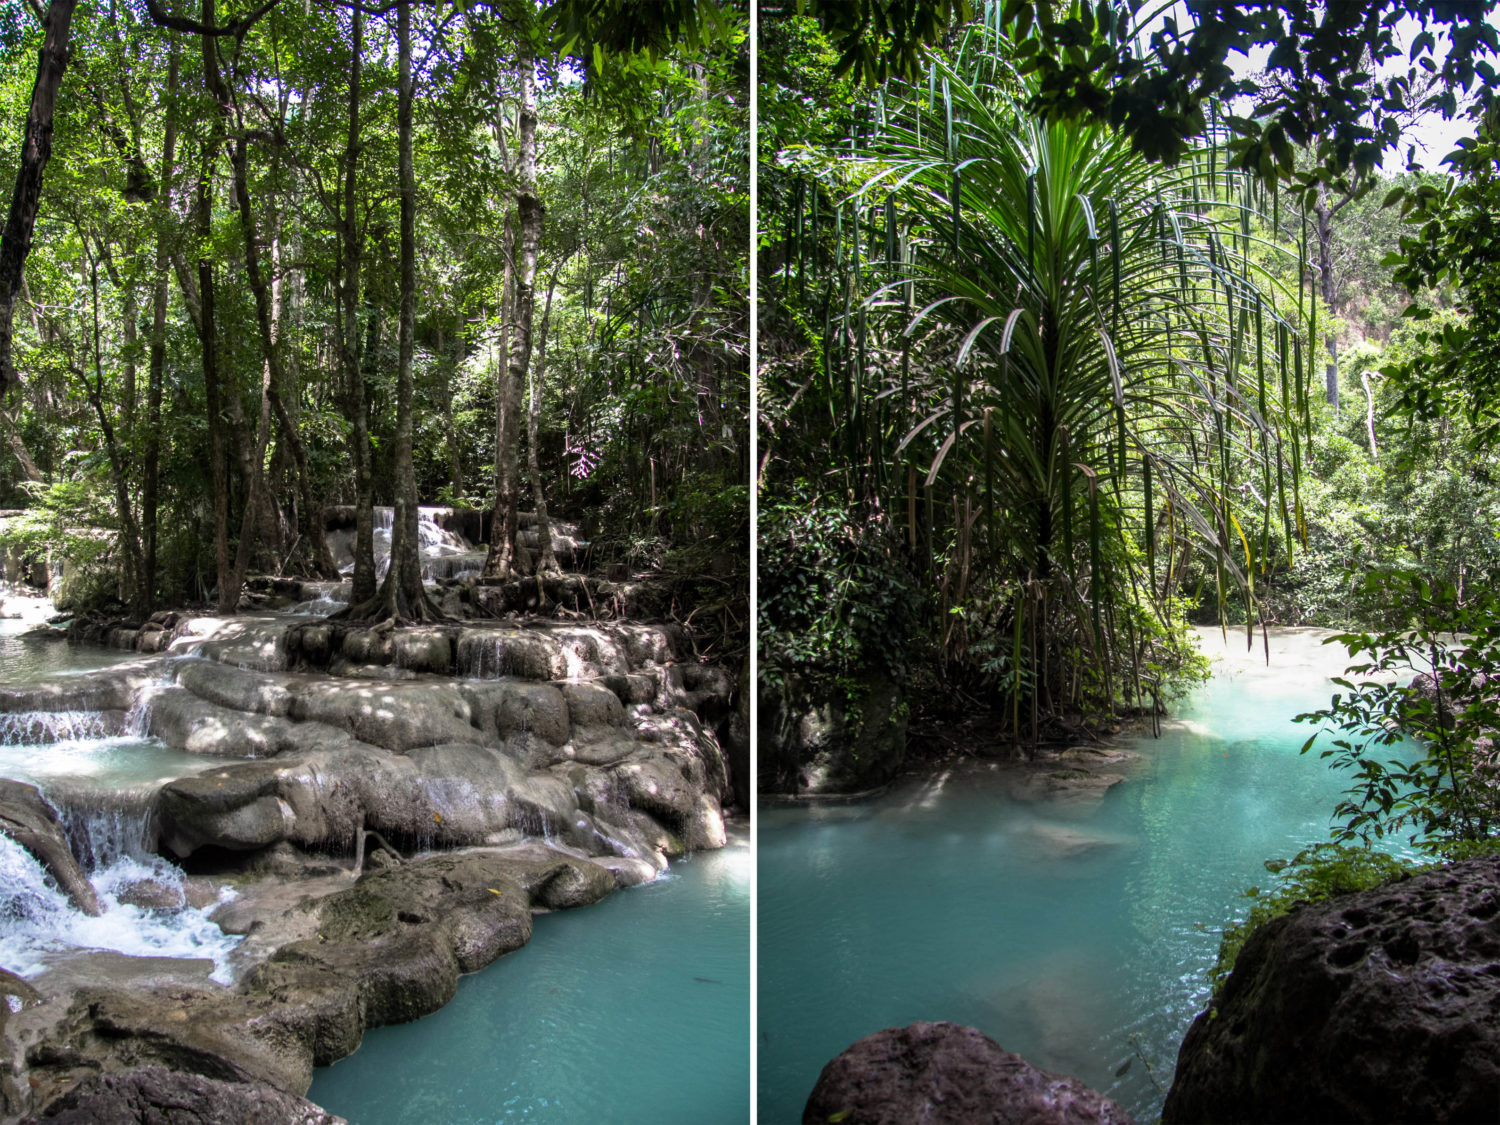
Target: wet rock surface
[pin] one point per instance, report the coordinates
(324, 960)
(1378, 1006)
(390, 806)
(945, 1074)
(154, 1095)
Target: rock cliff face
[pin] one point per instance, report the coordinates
(1377, 1006)
(944, 1074)
(844, 743)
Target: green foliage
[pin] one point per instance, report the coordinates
(1429, 691)
(1452, 242)
(1312, 875)
(835, 595)
(1317, 88)
(1059, 375)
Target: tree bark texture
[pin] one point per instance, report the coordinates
(546, 559)
(36, 150)
(402, 596)
(156, 368)
(530, 213)
(357, 403)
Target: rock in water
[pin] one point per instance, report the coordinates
(31, 822)
(1378, 1006)
(944, 1074)
(154, 1094)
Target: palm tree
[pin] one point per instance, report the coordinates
(1118, 375)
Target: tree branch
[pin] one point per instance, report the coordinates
(161, 18)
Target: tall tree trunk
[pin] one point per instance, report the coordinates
(151, 451)
(208, 339)
(358, 403)
(529, 211)
(275, 378)
(217, 388)
(455, 460)
(18, 447)
(36, 149)
(255, 470)
(401, 595)
(546, 559)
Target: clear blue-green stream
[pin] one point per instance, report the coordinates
(1078, 935)
(633, 1010)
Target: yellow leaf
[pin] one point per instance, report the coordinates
(492, 890)
(437, 817)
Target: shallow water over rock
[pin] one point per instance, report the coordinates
(1076, 933)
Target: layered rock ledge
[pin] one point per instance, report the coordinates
(390, 808)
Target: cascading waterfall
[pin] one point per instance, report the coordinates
(36, 920)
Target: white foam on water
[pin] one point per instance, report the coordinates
(37, 921)
(28, 728)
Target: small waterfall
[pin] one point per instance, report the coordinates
(482, 656)
(138, 718)
(36, 920)
(320, 606)
(104, 828)
(576, 658)
(35, 728)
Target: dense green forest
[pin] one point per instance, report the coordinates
(312, 255)
(1037, 391)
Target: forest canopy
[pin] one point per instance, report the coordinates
(294, 256)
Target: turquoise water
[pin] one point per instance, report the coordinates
(634, 1010)
(1076, 935)
(26, 659)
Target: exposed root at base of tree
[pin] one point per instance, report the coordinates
(395, 604)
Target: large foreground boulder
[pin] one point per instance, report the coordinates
(1378, 1006)
(944, 1074)
(154, 1095)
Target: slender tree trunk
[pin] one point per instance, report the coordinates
(255, 469)
(274, 379)
(36, 149)
(401, 595)
(358, 404)
(530, 213)
(546, 558)
(455, 461)
(1323, 216)
(151, 452)
(130, 537)
(208, 337)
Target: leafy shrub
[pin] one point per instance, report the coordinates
(1431, 689)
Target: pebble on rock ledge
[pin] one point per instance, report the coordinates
(945, 1074)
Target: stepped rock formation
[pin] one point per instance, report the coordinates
(1382, 1005)
(945, 1074)
(391, 805)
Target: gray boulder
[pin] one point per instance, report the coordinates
(1378, 1006)
(944, 1074)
